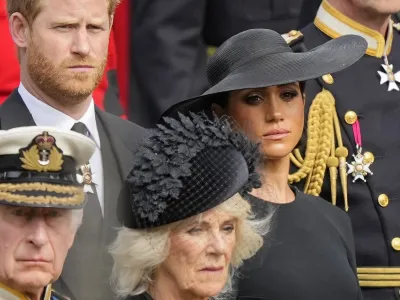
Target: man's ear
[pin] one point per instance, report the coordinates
(19, 29)
(217, 109)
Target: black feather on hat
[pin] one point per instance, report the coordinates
(187, 166)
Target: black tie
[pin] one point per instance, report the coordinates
(89, 237)
(92, 216)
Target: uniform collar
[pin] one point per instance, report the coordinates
(334, 24)
(45, 115)
(7, 293)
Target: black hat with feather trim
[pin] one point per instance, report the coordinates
(187, 166)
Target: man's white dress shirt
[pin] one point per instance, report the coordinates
(45, 115)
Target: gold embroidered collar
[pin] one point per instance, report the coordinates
(334, 24)
(7, 293)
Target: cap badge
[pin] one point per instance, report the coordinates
(42, 154)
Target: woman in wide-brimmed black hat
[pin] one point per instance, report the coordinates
(258, 80)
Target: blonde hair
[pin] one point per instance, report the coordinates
(31, 8)
(138, 253)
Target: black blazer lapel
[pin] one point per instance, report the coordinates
(14, 113)
(122, 156)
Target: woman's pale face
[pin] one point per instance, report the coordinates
(273, 115)
(199, 256)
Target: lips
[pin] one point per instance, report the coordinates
(212, 269)
(34, 260)
(276, 134)
(277, 131)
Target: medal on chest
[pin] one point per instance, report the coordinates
(85, 177)
(389, 75)
(359, 168)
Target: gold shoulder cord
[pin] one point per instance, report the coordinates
(323, 131)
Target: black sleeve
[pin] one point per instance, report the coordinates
(168, 57)
(343, 225)
(349, 241)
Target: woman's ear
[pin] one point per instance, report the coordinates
(304, 99)
(217, 109)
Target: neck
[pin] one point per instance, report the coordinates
(75, 110)
(167, 290)
(371, 19)
(275, 186)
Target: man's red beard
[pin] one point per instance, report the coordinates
(60, 83)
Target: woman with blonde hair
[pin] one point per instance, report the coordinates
(258, 81)
(186, 226)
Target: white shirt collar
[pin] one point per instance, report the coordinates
(334, 24)
(45, 115)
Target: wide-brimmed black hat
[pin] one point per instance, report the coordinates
(187, 167)
(258, 58)
(39, 167)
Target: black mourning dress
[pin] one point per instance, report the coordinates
(308, 255)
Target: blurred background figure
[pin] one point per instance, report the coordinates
(169, 45)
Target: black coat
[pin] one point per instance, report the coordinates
(119, 138)
(308, 254)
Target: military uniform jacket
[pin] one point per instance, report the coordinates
(374, 205)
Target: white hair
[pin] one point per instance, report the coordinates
(138, 253)
(77, 216)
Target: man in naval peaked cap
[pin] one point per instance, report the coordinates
(41, 207)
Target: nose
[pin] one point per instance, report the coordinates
(217, 244)
(81, 43)
(38, 235)
(273, 110)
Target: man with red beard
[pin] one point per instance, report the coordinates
(62, 47)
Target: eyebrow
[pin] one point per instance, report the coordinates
(66, 21)
(288, 85)
(229, 220)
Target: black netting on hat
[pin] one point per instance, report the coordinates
(186, 167)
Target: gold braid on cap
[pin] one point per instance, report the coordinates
(9, 193)
(321, 151)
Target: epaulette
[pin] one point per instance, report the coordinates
(293, 37)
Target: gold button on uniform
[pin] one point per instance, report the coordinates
(396, 244)
(293, 32)
(328, 78)
(350, 117)
(383, 200)
(369, 158)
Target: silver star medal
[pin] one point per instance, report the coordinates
(86, 178)
(390, 76)
(359, 168)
